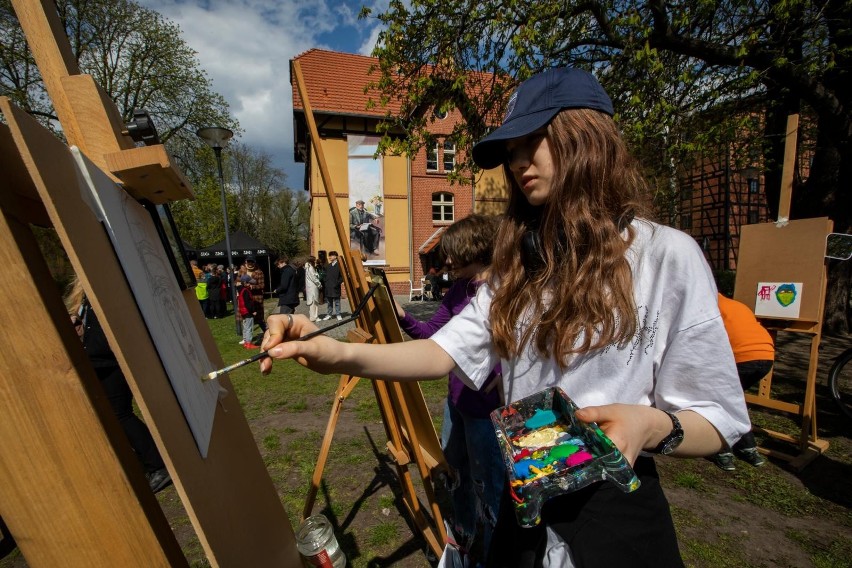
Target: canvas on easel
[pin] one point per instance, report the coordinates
(777, 262)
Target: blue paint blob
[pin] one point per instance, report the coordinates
(522, 468)
(540, 419)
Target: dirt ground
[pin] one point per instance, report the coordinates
(739, 510)
(761, 517)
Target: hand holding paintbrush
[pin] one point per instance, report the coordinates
(264, 354)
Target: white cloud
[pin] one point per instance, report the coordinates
(245, 47)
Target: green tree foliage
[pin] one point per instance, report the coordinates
(684, 76)
(264, 206)
(140, 59)
(137, 56)
(259, 202)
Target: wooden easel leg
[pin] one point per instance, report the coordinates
(344, 388)
(396, 447)
(425, 472)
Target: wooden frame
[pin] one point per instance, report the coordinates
(69, 472)
(411, 435)
(789, 251)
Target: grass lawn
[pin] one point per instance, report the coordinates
(753, 517)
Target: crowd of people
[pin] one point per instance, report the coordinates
(315, 279)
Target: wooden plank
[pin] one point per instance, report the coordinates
(789, 167)
(229, 496)
(67, 468)
(148, 172)
(19, 197)
(52, 53)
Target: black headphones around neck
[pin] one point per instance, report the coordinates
(532, 253)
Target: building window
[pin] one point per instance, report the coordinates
(686, 221)
(440, 114)
(432, 158)
(449, 156)
(753, 217)
(753, 186)
(442, 207)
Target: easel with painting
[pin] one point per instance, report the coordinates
(72, 492)
(412, 440)
(792, 254)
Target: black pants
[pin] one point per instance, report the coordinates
(214, 307)
(750, 373)
(120, 399)
(259, 320)
(604, 527)
(286, 308)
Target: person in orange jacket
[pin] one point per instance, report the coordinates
(754, 354)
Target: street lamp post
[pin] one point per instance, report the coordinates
(217, 138)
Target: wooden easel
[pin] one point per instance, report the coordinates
(411, 434)
(789, 251)
(72, 494)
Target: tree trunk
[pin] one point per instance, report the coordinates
(837, 300)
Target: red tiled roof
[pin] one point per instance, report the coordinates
(335, 83)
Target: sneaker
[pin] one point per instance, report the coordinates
(724, 461)
(750, 455)
(325, 317)
(339, 318)
(159, 480)
(251, 346)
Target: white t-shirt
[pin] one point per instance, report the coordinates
(680, 358)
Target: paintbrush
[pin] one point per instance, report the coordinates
(263, 354)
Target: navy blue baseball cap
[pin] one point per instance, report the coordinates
(534, 104)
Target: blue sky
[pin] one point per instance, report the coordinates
(245, 47)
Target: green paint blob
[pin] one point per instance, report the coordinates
(562, 451)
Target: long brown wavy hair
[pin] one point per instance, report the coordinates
(582, 298)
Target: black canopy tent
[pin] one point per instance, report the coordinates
(242, 245)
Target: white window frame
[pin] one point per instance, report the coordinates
(443, 207)
(449, 155)
(432, 157)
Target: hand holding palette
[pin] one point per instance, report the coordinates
(548, 451)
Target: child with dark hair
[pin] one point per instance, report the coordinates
(247, 309)
(586, 294)
(467, 435)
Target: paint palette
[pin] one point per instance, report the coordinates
(548, 452)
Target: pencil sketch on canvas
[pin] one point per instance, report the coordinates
(158, 297)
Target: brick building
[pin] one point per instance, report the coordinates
(715, 202)
(409, 202)
(724, 191)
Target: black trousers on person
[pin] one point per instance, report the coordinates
(120, 398)
(604, 527)
(750, 373)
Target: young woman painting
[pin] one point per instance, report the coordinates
(587, 294)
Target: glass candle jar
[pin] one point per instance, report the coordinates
(316, 543)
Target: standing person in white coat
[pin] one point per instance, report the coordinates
(312, 288)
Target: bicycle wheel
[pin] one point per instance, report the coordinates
(840, 382)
